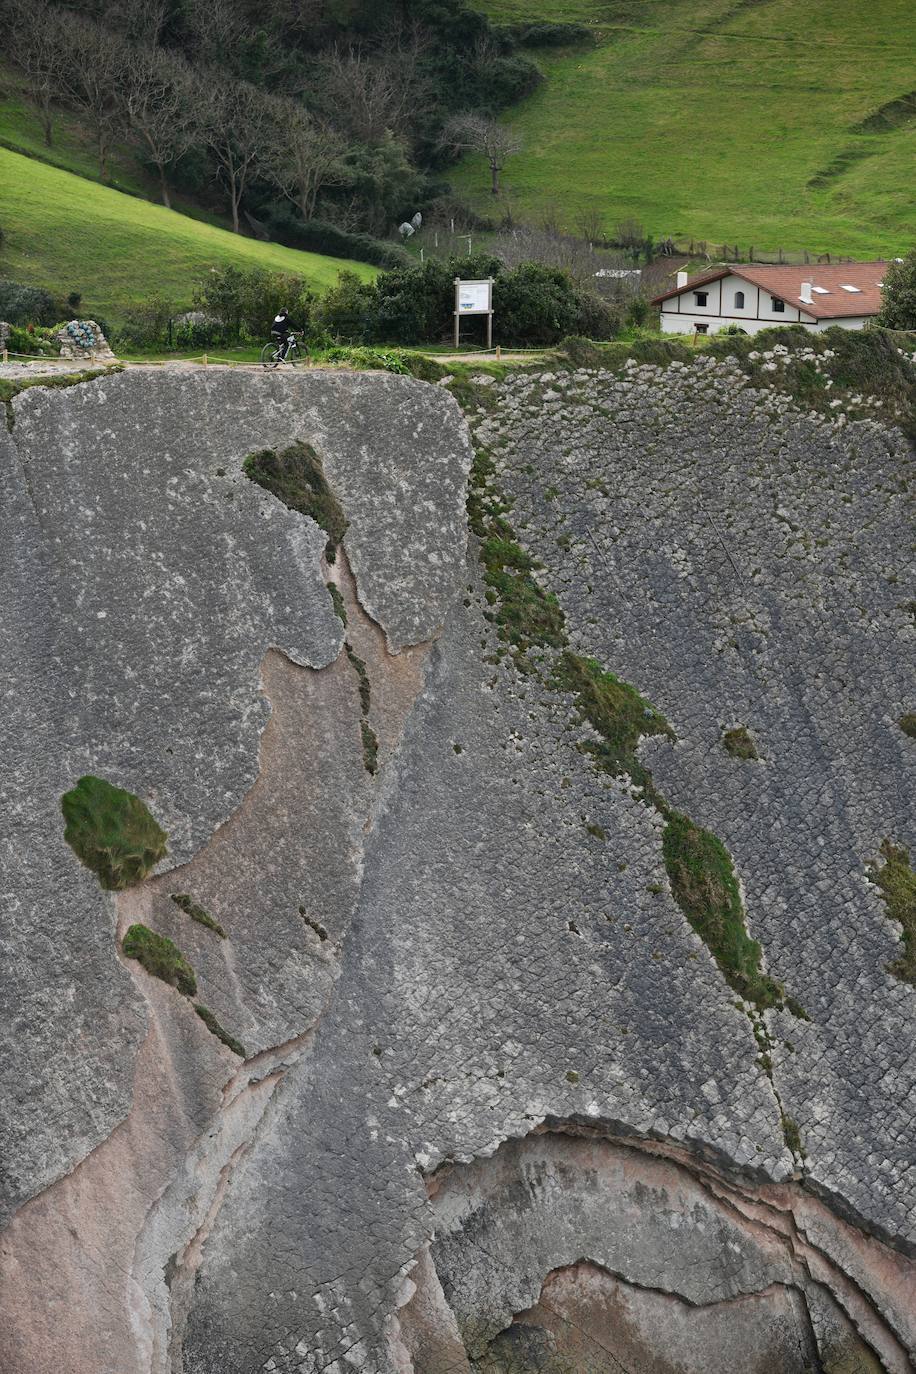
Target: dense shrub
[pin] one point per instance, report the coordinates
(318, 236)
(898, 294)
(21, 304)
(31, 342)
(535, 305)
(146, 325)
(348, 310)
(597, 318)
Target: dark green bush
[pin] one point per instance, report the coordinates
(111, 832)
(534, 305)
(21, 304)
(146, 325)
(597, 318)
(348, 310)
(318, 236)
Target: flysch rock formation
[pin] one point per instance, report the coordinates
(498, 1109)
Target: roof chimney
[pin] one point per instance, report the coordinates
(806, 297)
(681, 280)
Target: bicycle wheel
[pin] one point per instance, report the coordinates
(269, 356)
(298, 356)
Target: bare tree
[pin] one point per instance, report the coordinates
(476, 133)
(92, 80)
(35, 43)
(221, 38)
(306, 156)
(163, 107)
(239, 132)
(372, 94)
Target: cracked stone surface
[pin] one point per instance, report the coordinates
(741, 563)
(499, 1109)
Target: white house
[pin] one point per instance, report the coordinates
(758, 296)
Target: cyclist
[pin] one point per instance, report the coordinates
(281, 330)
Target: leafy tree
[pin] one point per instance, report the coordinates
(898, 294)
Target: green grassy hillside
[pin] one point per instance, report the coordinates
(66, 233)
(724, 120)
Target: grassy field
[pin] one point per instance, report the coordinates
(65, 233)
(722, 120)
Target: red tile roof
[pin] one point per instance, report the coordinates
(785, 282)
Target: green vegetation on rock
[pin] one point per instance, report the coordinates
(907, 724)
(616, 711)
(160, 957)
(337, 601)
(739, 743)
(896, 881)
(112, 832)
(187, 904)
(210, 1021)
(706, 889)
(699, 868)
(296, 477)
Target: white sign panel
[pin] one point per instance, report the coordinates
(474, 298)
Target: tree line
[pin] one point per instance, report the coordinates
(350, 119)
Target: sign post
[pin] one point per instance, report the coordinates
(474, 298)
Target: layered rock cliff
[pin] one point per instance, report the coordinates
(551, 1008)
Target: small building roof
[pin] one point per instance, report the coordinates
(851, 288)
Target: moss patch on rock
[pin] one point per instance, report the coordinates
(112, 832)
(740, 743)
(706, 889)
(160, 957)
(337, 602)
(907, 724)
(210, 1021)
(896, 882)
(196, 912)
(616, 711)
(296, 477)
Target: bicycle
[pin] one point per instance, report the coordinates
(273, 354)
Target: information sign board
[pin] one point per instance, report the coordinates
(474, 297)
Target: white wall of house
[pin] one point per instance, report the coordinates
(847, 322)
(732, 300)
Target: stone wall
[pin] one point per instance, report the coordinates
(499, 1108)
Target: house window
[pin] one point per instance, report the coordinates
(739, 300)
(701, 297)
(778, 305)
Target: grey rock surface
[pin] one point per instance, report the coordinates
(152, 579)
(491, 1073)
(744, 564)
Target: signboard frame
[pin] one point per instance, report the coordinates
(469, 307)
